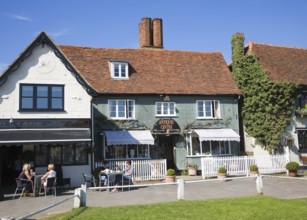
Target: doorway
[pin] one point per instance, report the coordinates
(166, 149)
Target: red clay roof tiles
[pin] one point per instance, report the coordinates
(154, 71)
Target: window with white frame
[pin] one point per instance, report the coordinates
(208, 109)
(121, 109)
(165, 108)
(119, 70)
(209, 147)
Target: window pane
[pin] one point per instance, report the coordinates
(130, 109)
(81, 154)
(112, 108)
(121, 109)
(215, 147)
(206, 148)
(42, 91)
(27, 91)
(41, 155)
(165, 108)
(68, 154)
(200, 109)
(172, 108)
(57, 91)
(27, 103)
(216, 109)
(42, 103)
(123, 70)
(57, 103)
(195, 146)
(116, 70)
(159, 110)
(55, 155)
(208, 108)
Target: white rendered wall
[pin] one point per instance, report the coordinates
(43, 67)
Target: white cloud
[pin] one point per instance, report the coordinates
(19, 17)
(61, 33)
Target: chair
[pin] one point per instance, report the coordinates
(22, 184)
(127, 182)
(89, 180)
(61, 182)
(50, 184)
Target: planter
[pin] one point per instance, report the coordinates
(221, 176)
(170, 179)
(192, 172)
(292, 173)
(253, 173)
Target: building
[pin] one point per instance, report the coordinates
(284, 64)
(154, 103)
(45, 108)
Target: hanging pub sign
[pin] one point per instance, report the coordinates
(166, 126)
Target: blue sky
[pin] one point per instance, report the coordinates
(194, 25)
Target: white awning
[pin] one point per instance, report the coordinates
(224, 134)
(129, 137)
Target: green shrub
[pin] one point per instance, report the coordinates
(253, 167)
(170, 172)
(292, 166)
(222, 170)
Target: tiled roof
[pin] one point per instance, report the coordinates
(153, 71)
(282, 63)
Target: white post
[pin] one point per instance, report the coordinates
(259, 184)
(180, 191)
(83, 196)
(77, 198)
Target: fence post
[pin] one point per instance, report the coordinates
(259, 184)
(180, 190)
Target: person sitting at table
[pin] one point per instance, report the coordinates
(127, 175)
(103, 175)
(26, 175)
(50, 173)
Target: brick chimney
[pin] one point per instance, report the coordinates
(157, 33)
(150, 33)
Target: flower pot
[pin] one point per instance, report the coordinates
(292, 173)
(192, 172)
(253, 173)
(221, 176)
(170, 179)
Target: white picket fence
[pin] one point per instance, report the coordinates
(143, 169)
(239, 165)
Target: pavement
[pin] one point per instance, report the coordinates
(194, 189)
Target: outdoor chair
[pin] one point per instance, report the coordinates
(22, 185)
(89, 180)
(50, 184)
(126, 182)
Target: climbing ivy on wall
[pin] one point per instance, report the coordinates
(267, 105)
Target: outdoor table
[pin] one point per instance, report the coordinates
(111, 175)
(36, 184)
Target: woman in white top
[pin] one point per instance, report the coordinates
(51, 173)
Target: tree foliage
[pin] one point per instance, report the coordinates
(267, 105)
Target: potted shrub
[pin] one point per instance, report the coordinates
(170, 176)
(292, 167)
(192, 169)
(253, 170)
(222, 173)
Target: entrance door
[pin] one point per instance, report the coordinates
(166, 149)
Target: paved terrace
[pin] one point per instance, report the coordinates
(194, 189)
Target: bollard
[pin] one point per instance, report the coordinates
(80, 197)
(180, 190)
(77, 202)
(259, 184)
(83, 196)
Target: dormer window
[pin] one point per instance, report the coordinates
(119, 70)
